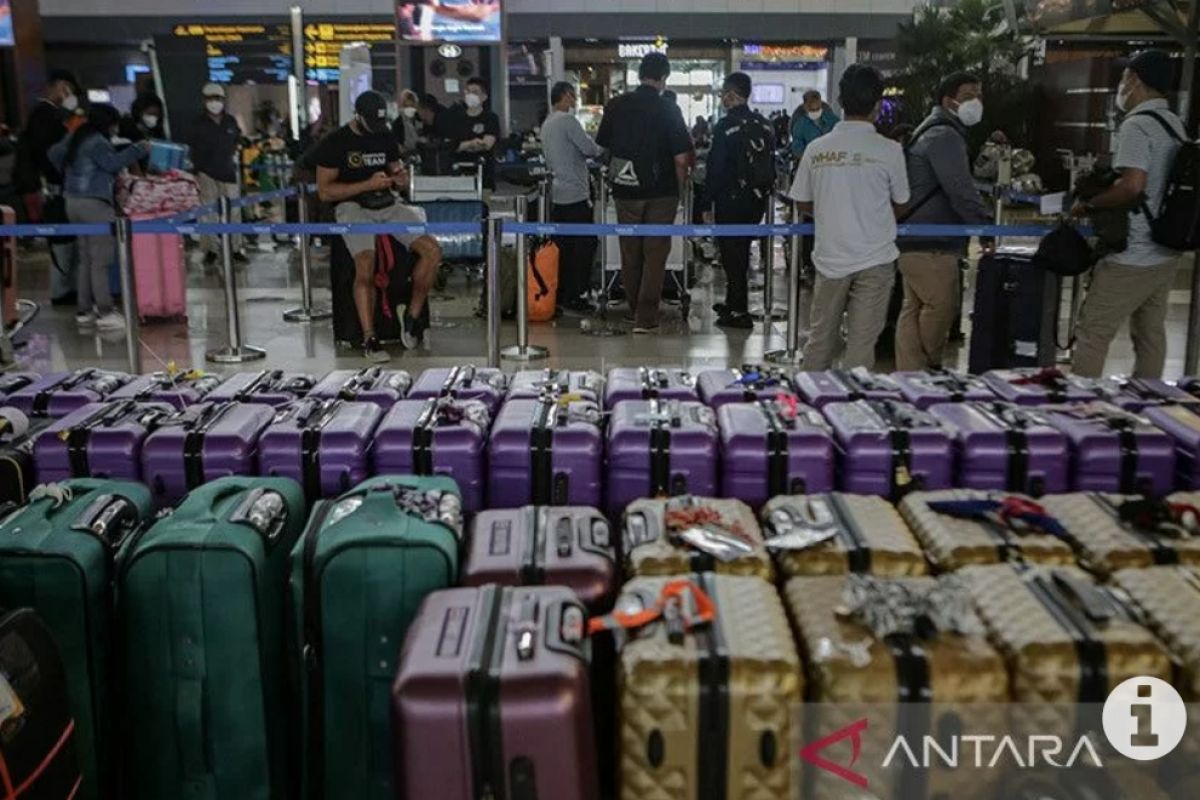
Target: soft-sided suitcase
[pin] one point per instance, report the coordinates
(493, 697)
(462, 383)
(393, 273)
(56, 558)
(267, 387)
(383, 387)
(180, 389)
(101, 440)
(546, 452)
(927, 389)
(707, 708)
(1168, 598)
(834, 534)
(1006, 447)
(1116, 451)
(202, 613)
(644, 383)
(159, 273)
(324, 445)
(774, 447)
(529, 384)
(1182, 424)
(1136, 394)
(358, 575)
(438, 436)
(1015, 312)
(660, 448)
(890, 448)
(1039, 387)
(59, 394)
(819, 389)
(200, 444)
(745, 384)
(693, 534)
(18, 437)
(962, 527)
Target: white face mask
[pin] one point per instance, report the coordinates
(215, 106)
(814, 115)
(1122, 97)
(409, 112)
(473, 100)
(970, 112)
(70, 102)
(150, 121)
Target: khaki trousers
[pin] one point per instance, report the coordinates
(1118, 292)
(862, 299)
(930, 306)
(644, 259)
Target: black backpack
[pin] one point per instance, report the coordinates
(1176, 226)
(755, 150)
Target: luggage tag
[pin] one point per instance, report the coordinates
(702, 528)
(12, 710)
(682, 605)
(792, 534)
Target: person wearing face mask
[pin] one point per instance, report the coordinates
(944, 193)
(405, 128)
(813, 120)
(144, 120)
(474, 129)
(213, 139)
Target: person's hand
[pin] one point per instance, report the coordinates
(1080, 209)
(400, 179)
(380, 181)
(708, 217)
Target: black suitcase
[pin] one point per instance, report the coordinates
(1016, 313)
(392, 260)
(16, 456)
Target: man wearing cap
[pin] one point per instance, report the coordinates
(213, 139)
(358, 171)
(1134, 284)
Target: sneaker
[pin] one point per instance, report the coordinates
(410, 330)
(737, 321)
(112, 321)
(645, 330)
(374, 352)
(85, 319)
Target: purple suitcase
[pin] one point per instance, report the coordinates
(546, 453)
(179, 390)
(568, 546)
(323, 445)
(889, 448)
(1182, 424)
(770, 449)
(200, 444)
(493, 698)
(644, 383)
(819, 389)
(1135, 394)
(534, 383)
(383, 387)
(59, 394)
(269, 387)
(436, 436)
(100, 440)
(1038, 387)
(13, 382)
(659, 448)
(462, 383)
(749, 384)
(1007, 447)
(1115, 450)
(927, 389)
(1191, 385)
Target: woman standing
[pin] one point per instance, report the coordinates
(144, 120)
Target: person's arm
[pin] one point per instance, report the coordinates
(681, 147)
(898, 179)
(491, 132)
(109, 159)
(583, 143)
(798, 140)
(947, 155)
(57, 154)
(604, 132)
(801, 190)
(331, 190)
(715, 179)
(1133, 162)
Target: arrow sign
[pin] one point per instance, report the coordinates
(310, 62)
(310, 31)
(181, 30)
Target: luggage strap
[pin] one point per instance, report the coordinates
(197, 426)
(850, 534)
(1153, 522)
(78, 436)
(662, 419)
(1052, 380)
(422, 440)
(1014, 422)
(682, 604)
(262, 380)
(533, 560)
(14, 383)
(901, 478)
(311, 418)
(1080, 610)
(781, 414)
(459, 378)
(653, 382)
(954, 385)
(1003, 517)
(548, 488)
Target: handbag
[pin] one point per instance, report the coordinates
(376, 200)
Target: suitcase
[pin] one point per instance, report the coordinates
(100, 440)
(653, 540)
(771, 448)
(203, 624)
(747, 384)
(708, 710)
(56, 558)
(438, 436)
(393, 272)
(927, 389)
(1039, 387)
(890, 448)
(266, 387)
(180, 389)
(462, 383)
(1168, 599)
(358, 574)
(324, 445)
(1013, 530)
(159, 273)
(644, 383)
(60, 393)
(1136, 394)
(660, 448)
(493, 697)
(568, 546)
(819, 389)
(529, 384)
(371, 385)
(546, 452)
(9, 315)
(200, 444)
(458, 248)
(18, 436)
(862, 534)
(1015, 316)
(1182, 424)
(13, 382)
(1116, 451)
(1006, 447)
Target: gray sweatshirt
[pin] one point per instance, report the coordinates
(938, 160)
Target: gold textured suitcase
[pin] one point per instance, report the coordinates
(870, 536)
(1169, 601)
(713, 707)
(652, 545)
(952, 543)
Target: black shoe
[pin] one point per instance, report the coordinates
(736, 321)
(720, 308)
(374, 352)
(210, 258)
(410, 330)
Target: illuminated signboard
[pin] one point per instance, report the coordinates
(462, 21)
(785, 52)
(1048, 13)
(7, 39)
(642, 49)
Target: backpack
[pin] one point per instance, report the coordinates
(1064, 251)
(755, 154)
(913, 208)
(1177, 224)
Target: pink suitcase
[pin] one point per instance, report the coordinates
(159, 273)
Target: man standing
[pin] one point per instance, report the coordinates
(1134, 284)
(943, 188)
(213, 140)
(813, 120)
(741, 174)
(853, 182)
(650, 147)
(567, 148)
(475, 129)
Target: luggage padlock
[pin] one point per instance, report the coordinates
(571, 625)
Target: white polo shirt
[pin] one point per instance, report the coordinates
(852, 176)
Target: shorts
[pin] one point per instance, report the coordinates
(349, 212)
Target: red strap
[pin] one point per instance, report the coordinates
(13, 794)
(1180, 510)
(385, 260)
(705, 610)
(789, 405)
(1046, 377)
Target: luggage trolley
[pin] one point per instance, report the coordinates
(454, 199)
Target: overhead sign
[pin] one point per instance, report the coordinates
(785, 52)
(642, 49)
(449, 50)
(1048, 13)
(7, 37)
(350, 32)
(461, 21)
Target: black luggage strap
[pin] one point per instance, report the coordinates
(855, 387)
(197, 426)
(653, 382)
(422, 439)
(458, 376)
(311, 418)
(482, 694)
(664, 417)
(1126, 431)
(712, 743)
(902, 480)
(261, 381)
(547, 487)
(41, 400)
(359, 382)
(79, 436)
(954, 385)
(533, 560)
(850, 535)
(1081, 610)
(1015, 423)
(1146, 519)
(778, 427)
(11, 384)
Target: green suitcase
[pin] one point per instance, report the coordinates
(363, 566)
(201, 602)
(56, 557)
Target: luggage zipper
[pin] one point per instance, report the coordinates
(1090, 651)
(482, 690)
(712, 741)
(311, 653)
(1162, 552)
(311, 427)
(193, 443)
(41, 400)
(858, 549)
(541, 441)
(533, 560)
(422, 439)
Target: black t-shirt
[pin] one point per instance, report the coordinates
(47, 124)
(643, 132)
(357, 156)
(458, 126)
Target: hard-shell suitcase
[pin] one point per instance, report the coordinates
(358, 574)
(998, 527)
(927, 389)
(834, 534)
(657, 538)
(1182, 424)
(200, 444)
(771, 448)
(1006, 447)
(1015, 312)
(493, 697)
(707, 711)
(462, 383)
(60, 393)
(100, 440)
(1136, 394)
(383, 387)
(529, 384)
(746, 384)
(180, 389)
(1168, 598)
(202, 613)
(159, 273)
(56, 558)
(644, 383)
(18, 436)
(819, 389)
(1039, 387)
(266, 387)
(1116, 451)
(437, 436)
(546, 452)
(660, 448)
(324, 445)
(890, 448)
(570, 546)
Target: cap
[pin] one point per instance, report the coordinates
(1155, 69)
(213, 90)
(372, 107)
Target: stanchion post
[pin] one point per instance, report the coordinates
(791, 352)
(1191, 359)
(494, 244)
(123, 228)
(599, 326)
(235, 352)
(769, 314)
(522, 350)
(544, 195)
(307, 312)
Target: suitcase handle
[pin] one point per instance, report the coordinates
(1095, 605)
(110, 518)
(566, 630)
(525, 627)
(263, 510)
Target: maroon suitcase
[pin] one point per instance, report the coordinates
(492, 698)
